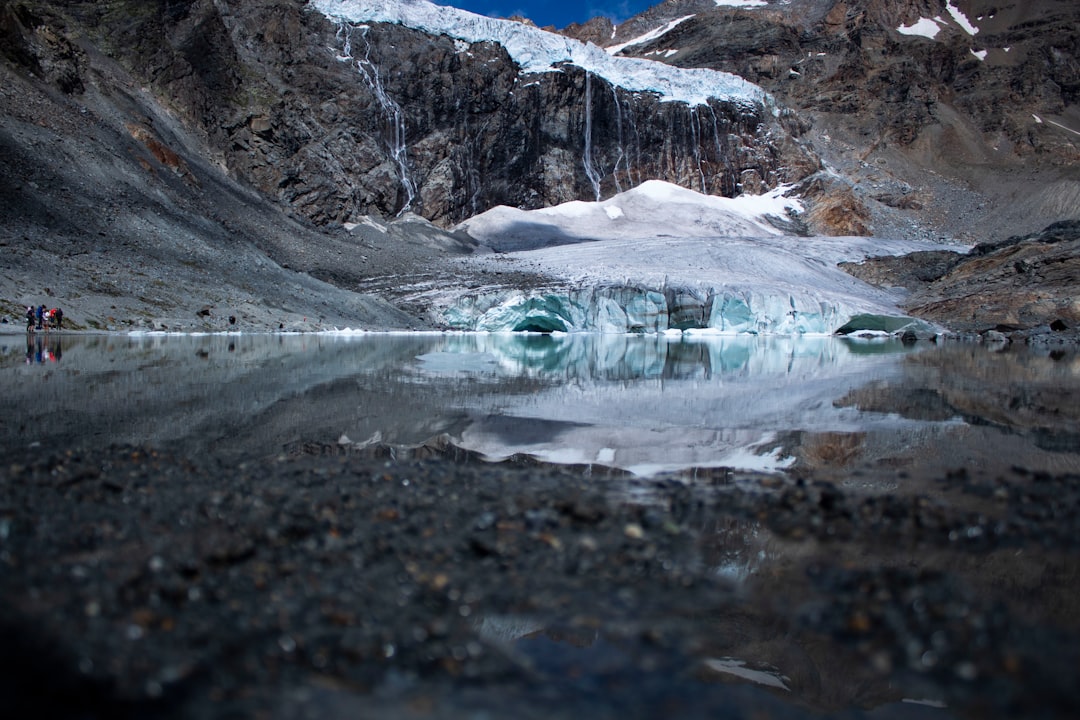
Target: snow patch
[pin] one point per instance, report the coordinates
(924, 26)
(649, 36)
(961, 19)
(538, 51)
(981, 54)
(614, 212)
(742, 3)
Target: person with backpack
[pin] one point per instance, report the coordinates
(29, 318)
(40, 317)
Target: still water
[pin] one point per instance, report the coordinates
(872, 412)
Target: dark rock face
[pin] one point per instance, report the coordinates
(912, 271)
(338, 122)
(28, 42)
(457, 132)
(849, 57)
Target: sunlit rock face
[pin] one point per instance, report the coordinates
(901, 91)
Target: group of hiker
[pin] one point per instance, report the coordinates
(40, 318)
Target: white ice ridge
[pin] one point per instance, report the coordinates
(538, 51)
(636, 213)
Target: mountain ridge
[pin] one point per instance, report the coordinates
(241, 151)
(905, 115)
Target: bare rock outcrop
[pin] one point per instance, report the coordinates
(335, 122)
(1022, 283)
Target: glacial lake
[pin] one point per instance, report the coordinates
(872, 412)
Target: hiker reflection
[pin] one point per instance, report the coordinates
(40, 351)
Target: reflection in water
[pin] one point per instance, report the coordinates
(645, 404)
(43, 349)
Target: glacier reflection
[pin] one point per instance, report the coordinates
(644, 404)
(651, 404)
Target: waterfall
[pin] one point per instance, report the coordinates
(722, 154)
(622, 153)
(590, 171)
(695, 139)
(394, 115)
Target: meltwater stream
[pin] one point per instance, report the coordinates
(858, 411)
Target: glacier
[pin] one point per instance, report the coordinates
(661, 258)
(539, 51)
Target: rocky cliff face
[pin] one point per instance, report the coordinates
(932, 108)
(337, 121)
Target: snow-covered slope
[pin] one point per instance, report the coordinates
(652, 209)
(660, 257)
(538, 51)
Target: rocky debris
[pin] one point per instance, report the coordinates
(152, 585)
(34, 42)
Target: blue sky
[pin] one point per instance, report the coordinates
(559, 13)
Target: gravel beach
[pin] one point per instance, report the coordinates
(323, 584)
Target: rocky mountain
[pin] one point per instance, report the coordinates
(960, 116)
(337, 119)
(198, 164)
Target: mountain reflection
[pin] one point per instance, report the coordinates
(643, 404)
